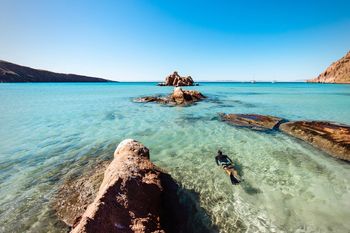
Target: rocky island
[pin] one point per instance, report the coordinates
(176, 80)
(178, 97)
(13, 73)
(337, 72)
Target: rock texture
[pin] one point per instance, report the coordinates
(178, 97)
(329, 137)
(176, 80)
(129, 198)
(10, 72)
(253, 121)
(337, 72)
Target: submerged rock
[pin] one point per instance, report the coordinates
(178, 97)
(74, 196)
(253, 121)
(176, 80)
(148, 99)
(329, 137)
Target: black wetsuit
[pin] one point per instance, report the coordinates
(223, 160)
(227, 164)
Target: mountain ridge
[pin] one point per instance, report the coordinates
(14, 73)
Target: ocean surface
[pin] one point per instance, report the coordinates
(49, 132)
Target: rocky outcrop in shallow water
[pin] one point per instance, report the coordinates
(134, 196)
(329, 137)
(176, 80)
(337, 72)
(253, 121)
(129, 197)
(178, 97)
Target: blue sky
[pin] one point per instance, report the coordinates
(146, 40)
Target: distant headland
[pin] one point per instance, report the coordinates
(13, 73)
(337, 72)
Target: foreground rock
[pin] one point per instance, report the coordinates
(129, 197)
(337, 72)
(178, 97)
(253, 121)
(329, 137)
(176, 80)
(134, 196)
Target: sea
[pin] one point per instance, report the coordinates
(50, 132)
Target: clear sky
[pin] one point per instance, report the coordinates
(131, 40)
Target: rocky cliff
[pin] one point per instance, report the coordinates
(337, 72)
(13, 73)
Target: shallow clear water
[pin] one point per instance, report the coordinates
(51, 131)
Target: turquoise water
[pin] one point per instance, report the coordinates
(49, 132)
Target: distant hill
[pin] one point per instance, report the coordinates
(12, 73)
(337, 72)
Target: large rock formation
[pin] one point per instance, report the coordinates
(178, 97)
(337, 72)
(134, 196)
(129, 198)
(253, 121)
(329, 137)
(10, 72)
(176, 80)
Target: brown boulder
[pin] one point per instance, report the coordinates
(129, 198)
(253, 121)
(329, 137)
(176, 80)
(186, 96)
(135, 196)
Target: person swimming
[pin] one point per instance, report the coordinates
(226, 163)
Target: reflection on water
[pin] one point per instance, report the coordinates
(50, 132)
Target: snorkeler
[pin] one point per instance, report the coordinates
(226, 163)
